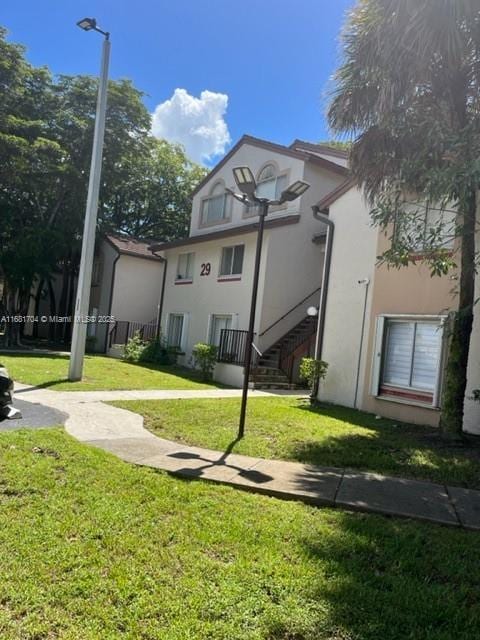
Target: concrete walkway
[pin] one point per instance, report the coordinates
(122, 433)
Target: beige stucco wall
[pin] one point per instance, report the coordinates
(136, 289)
(353, 259)
(409, 290)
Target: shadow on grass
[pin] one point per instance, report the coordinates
(391, 448)
(382, 578)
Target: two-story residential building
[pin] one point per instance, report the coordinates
(126, 287)
(384, 334)
(209, 274)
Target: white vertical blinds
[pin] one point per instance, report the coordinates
(412, 354)
(175, 330)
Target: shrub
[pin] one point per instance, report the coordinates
(312, 371)
(157, 351)
(205, 358)
(134, 348)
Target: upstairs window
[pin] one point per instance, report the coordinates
(420, 228)
(214, 207)
(185, 267)
(231, 263)
(270, 183)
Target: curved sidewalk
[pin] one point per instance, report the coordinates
(122, 433)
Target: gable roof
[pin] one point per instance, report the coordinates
(334, 195)
(304, 154)
(130, 246)
(319, 148)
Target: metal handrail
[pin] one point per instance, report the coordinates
(289, 311)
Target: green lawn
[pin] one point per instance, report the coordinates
(94, 548)
(100, 373)
(289, 429)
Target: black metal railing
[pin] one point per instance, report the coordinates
(299, 304)
(233, 346)
(123, 330)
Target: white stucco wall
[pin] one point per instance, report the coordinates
(205, 295)
(295, 263)
(353, 258)
(255, 158)
(136, 289)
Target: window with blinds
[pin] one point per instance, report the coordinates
(185, 267)
(231, 263)
(215, 208)
(175, 330)
(411, 359)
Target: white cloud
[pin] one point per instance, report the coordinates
(197, 123)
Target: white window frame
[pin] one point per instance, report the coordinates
(251, 211)
(379, 352)
(211, 316)
(226, 208)
(190, 265)
(427, 212)
(231, 275)
(185, 325)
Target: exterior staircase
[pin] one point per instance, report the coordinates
(277, 367)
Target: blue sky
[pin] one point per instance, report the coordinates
(269, 61)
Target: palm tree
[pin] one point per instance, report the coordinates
(407, 91)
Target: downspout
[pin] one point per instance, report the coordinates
(322, 306)
(110, 301)
(365, 282)
(162, 295)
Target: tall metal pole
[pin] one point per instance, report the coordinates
(251, 326)
(79, 334)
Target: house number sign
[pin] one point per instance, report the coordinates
(205, 269)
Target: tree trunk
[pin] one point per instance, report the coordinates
(453, 396)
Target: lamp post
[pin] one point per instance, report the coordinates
(246, 183)
(79, 334)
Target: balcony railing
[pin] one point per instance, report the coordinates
(233, 346)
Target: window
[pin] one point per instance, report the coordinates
(185, 267)
(175, 330)
(232, 260)
(421, 227)
(217, 324)
(410, 357)
(270, 184)
(214, 208)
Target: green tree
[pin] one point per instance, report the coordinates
(408, 92)
(154, 200)
(46, 132)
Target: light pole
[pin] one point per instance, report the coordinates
(77, 351)
(246, 183)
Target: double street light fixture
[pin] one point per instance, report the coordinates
(79, 334)
(246, 183)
